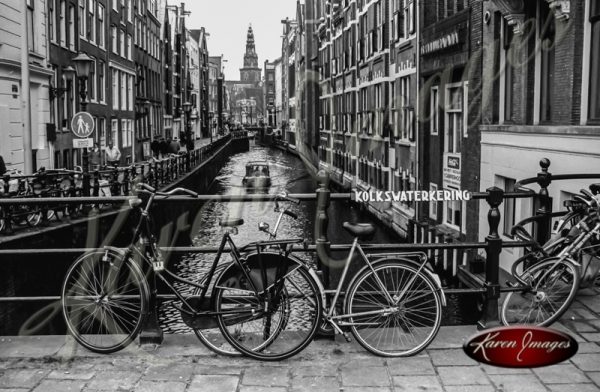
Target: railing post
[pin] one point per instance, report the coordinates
(490, 317)
(151, 332)
(321, 224)
(544, 178)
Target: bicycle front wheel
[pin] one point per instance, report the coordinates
(552, 288)
(209, 333)
(273, 323)
(104, 300)
(403, 326)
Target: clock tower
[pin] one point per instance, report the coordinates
(251, 73)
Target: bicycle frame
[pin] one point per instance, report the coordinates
(143, 234)
(337, 320)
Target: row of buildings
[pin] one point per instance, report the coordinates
(151, 77)
(442, 95)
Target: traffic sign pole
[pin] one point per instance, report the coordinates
(82, 126)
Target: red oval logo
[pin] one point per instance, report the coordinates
(521, 347)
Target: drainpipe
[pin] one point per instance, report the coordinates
(26, 93)
(417, 102)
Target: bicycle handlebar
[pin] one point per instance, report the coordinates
(175, 191)
(284, 197)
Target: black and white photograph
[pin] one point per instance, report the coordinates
(299, 195)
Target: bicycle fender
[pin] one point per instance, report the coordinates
(432, 275)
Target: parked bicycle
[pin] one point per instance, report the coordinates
(105, 294)
(554, 272)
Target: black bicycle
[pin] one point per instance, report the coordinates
(266, 304)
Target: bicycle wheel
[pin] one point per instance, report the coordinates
(104, 300)
(209, 333)
(394, 330)
(551, 291)
(274, 323)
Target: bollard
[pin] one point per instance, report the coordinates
(544, 179)
(490, 318)
(321, 224)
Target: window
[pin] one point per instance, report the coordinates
(114, 39)
(71, 28)
(101, 81)
(406, 111)
(122, 41)
(101, 127)
(453, 213)
(114, 129)
(454, 118)
(51, 24)
(123, 97)
(129, 47)
(129, 11)
(115, 88)
(30, 26)
(126, 132)
(130, 99)
(82, 19)
(409, 13)
(508, 58)
(92, 82)
(101, 26)
(594, 102)
(547, 54)
(434, 119)
(433, 205)
(115, 5)
(91, 33)
(63, 23)
(508, 216)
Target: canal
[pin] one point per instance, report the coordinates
(288, 174)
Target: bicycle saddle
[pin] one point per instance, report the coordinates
(231, 222)
(595, 188)
(360, 230)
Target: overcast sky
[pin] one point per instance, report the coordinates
(227, 23)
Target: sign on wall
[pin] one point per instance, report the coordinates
(451, 175)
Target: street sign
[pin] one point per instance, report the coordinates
(83, 143)
(82, 124)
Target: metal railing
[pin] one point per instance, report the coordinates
(492, 245)
(47, 194)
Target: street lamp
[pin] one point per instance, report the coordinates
(83, 65)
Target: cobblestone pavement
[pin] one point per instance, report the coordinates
(56, 364)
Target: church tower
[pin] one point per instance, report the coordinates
(251, 73)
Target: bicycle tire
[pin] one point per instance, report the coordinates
(411, 322)
(212, 338)
(536, 302)
(297, 301)
(94, 316)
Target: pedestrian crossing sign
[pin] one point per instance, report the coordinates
(82, 124)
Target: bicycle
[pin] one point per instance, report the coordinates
(546, 289)
(105, 294)
(205, 329)
(393, 305)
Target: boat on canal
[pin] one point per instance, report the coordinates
(257, 175)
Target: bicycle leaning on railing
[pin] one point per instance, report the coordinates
(105, 294)
(554, 272)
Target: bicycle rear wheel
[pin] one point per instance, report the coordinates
(394, 329)
(272, 324)
(552, 289)
(104, 300)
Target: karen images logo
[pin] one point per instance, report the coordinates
(521, 347)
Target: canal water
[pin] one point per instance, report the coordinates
(288, 174)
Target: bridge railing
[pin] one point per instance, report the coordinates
(492, 244)
(31, 200)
